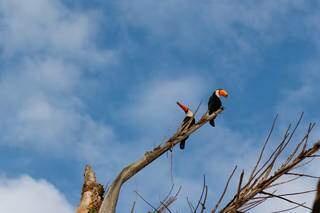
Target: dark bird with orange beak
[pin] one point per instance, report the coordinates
(187, 122)
(215, 103)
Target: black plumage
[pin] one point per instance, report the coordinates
(187, 122)
(213, 105)
(184, 122)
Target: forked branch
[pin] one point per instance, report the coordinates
(261, 178)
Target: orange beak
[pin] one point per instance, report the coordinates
(223, 93)
(183, 107)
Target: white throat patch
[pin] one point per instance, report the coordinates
(189, 113)
(217, 93)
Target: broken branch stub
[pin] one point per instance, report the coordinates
(92, 193)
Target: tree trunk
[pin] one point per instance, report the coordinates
(316, 205)
(92, 193)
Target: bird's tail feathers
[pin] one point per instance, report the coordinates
(212, 123)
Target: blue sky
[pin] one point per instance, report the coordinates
(97, 83)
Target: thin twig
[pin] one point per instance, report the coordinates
(225, 188)
(239, 185)
(284, 182)
(285, 199)
(202, 192)
(304, 139)
(246, 199)
(168, 200)
(154, 208)
(167, 196)
(286, 210)
(305, 163)
(301, 175)
(190, 205)
(298, 193)
(203, 207)
(286, 135)
(133, 206)
(252, 205)
(165, 206)
(195, 112)
(263, 148)
(171, 166)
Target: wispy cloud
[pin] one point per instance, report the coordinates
(46, 52)
(41, 27)
(155, 101)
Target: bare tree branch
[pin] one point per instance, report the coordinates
(202, 192)
(316, 204)
(133, 206)
(263, 148)
(301, 175)
(203, 203)
(261, 179)
(154, 208)
(92, 193)
(110, 201)
(168, 201)
(239, 184)
(167, 196)
(202, 200)
(289, 209)
(285, 199)
(225, 188)
(190, 206)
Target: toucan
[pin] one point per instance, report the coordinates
(215, 103)
(187, 122)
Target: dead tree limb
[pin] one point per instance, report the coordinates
(202, 200)
(154, 209)
(316, 204)
(202, 193)
(225, 188)
(92, 193)
(272, 195)
(133, 206)
(262, 179)
(110, 201)
(168, 200)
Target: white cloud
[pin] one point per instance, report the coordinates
(154, 103)
(303, 97)
(46, 26)
(179, 21)
(235, 35)
(26, 194)
(48, 49)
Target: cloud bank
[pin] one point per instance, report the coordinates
(26, 194)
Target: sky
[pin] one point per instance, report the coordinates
(95, 82)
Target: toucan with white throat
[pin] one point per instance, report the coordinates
(215, 103)
(187, 122)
